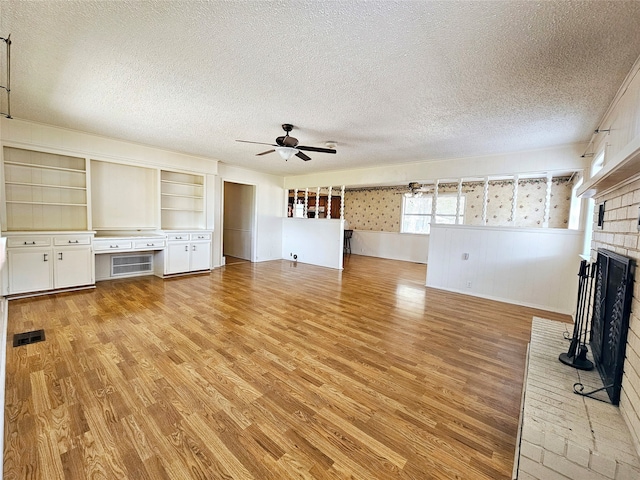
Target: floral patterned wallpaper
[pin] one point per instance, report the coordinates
(379, 208)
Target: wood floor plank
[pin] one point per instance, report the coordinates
(266, 371)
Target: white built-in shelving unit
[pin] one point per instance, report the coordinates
(44, 191)
(181, 200)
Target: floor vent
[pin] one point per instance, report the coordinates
(26, 338)
(131, 264)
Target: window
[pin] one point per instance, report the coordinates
(416, 212)
(446, 209)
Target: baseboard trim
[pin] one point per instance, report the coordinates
(48, 292)
(503, 300)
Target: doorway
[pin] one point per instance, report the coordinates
(238, 224)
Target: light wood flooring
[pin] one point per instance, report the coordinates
(269, 370)
(234, 260)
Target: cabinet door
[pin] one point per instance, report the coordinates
(177, 258)
(30, 270)
(73, 267)
(200, 256)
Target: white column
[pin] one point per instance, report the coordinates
(329, 203)
(306, 203)
(458, 201)
(317, 203)
(547, 202)
(485, 200)
(434, 203)
(342, 203)
(514, 203)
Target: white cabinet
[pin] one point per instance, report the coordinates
(30, 269)
(178, 258)
(72, 266)
(186, 252)
(41, 262)
(200, 256)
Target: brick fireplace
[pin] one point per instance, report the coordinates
(619, 233)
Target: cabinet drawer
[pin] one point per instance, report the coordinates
(177, 236)
(28, 241)
(200, 236)
(111, 245)
(72, 240)
(149, 244)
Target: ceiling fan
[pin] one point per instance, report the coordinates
(416, 189)
(287, 146)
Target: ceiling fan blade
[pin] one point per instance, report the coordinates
(258, 143)
(316, 149)
(264, 153)
(303, 156)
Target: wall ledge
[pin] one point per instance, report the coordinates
(623, 169)
(549, 231)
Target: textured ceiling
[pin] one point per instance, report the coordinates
(389, 81)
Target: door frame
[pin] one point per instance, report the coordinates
(254, 216)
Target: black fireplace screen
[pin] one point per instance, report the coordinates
(610, 321)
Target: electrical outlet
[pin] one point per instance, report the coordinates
(469, 284)
(465, 256)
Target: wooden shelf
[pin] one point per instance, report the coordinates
(44, 185)
(188, 184)
(47, 203)
(199, 197)
(181, 209)
(182, 200)
(45, 167)
(44, 191)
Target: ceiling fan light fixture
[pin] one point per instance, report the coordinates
(286, 152)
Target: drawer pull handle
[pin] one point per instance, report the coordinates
(29, 243)
(186, 248)
(193, 248)
(74, 241)
(113, 246)
(46, 257)
(60, 257)
(151, 244)
(178, 238)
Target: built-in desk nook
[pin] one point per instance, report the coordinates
(160, 253)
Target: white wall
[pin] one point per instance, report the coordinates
(558, 159)
(22, 133)
(315, 241)
(531, 267)
(269, 211)
(392, 245)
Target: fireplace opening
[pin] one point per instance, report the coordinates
(610, 319)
